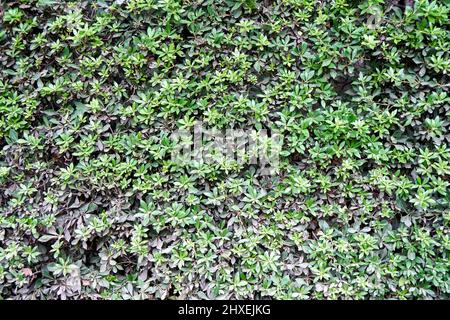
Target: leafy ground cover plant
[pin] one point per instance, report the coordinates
(94, 206)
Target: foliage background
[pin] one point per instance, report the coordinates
(92, 207)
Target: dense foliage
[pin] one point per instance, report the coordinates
(93, 206)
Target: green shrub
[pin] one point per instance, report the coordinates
(94, 205)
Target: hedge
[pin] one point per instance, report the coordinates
(98, 199)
